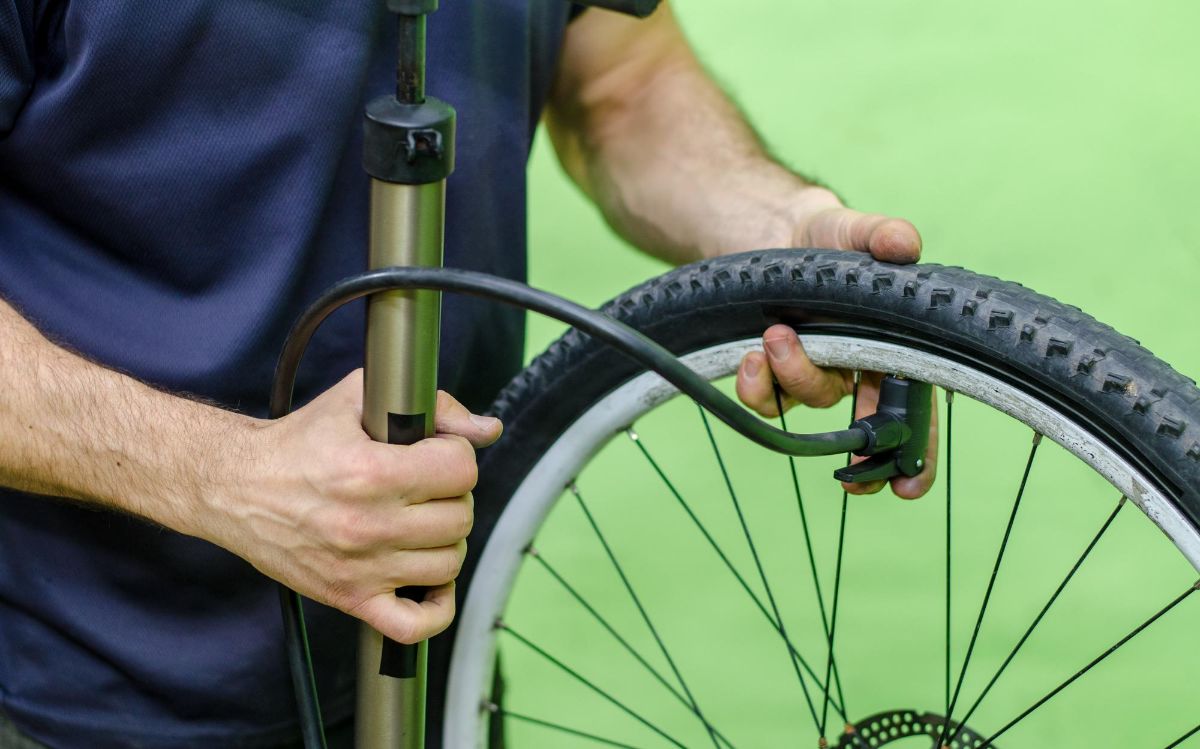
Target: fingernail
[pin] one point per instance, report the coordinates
(778, 348)
(486, 423)
(751, 367)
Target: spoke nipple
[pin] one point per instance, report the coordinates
(531, 551)
(822, 743)
(1124, 499)
(949, 396)
(631, 434)
(499, 624)
(1196, 586)
(850, 729)
(490, 707)
(571, 487)
(1037, 438)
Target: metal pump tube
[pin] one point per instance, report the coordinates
(398, 408)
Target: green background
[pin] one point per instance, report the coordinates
(1054, 144)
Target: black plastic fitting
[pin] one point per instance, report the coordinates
(897, 433)
(411, 144)
(886, 428)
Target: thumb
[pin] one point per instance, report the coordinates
(452, 417)
(890, 239)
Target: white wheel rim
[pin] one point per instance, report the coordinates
(471, 663)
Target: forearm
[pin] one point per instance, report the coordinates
(308, 499)
(667, 157)
(74, 429)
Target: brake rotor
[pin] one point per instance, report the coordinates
(892, 726)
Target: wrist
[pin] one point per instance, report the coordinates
(764, 209)
(230, 459)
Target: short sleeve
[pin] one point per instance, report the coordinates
(16, 59)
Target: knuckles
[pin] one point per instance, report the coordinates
(355, 473)
(352, 531)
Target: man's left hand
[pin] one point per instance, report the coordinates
(822, 221)
(677, 171)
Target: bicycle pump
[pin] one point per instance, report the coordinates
(408, 152)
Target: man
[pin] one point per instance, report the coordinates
(176, 182)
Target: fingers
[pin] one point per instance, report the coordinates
(433, 524)
(796, 374)
(756, 386)
(435, 468)
(438, 467)
(425, 566)
(453, 418)
(408, 621)
(889, 239)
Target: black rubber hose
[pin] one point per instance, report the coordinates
(618, 335)
(299, 655)
(621, 337)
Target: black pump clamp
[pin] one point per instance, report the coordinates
(897, 433)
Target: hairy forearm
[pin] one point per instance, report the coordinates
(71, 428)
(309, 499)
(662, 150)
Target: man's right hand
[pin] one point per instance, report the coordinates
(308, 499)
(345, 520)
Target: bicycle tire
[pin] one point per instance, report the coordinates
(1147, 412)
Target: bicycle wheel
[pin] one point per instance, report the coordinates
(674, 586)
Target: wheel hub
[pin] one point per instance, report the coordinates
(892, 726)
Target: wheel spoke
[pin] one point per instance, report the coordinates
(837, 574)
(1184, 738)
(1037, 620)
(587, 683)
(1037, 440)
(493, 708)
(570, 589)
(762, 574)
(812, 559)
(662, 646)
(1095, 661)
(637, 440)
(949, 519)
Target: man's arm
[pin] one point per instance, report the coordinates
(676, 170)
(309, 499)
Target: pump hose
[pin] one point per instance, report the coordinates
(618, 335)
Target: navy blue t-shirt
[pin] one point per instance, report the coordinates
(177, 181)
